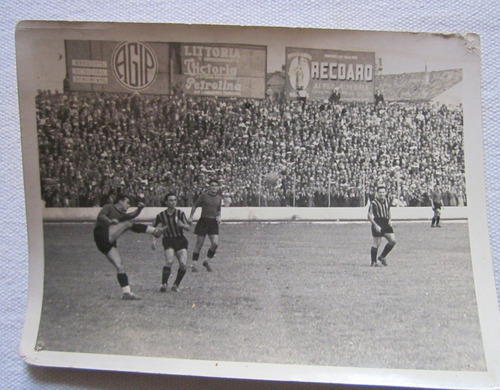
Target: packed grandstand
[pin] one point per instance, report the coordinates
(323, 153)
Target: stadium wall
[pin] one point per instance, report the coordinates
(279, 214)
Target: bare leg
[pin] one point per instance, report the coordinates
(182, 258)
(199, 243)
(391, 241)
(214, 244)
(115, 231)
(167, 268)
(374, 250)
(196, 251)
(114, 258)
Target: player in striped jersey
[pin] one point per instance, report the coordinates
(379, 215)
(173, 223)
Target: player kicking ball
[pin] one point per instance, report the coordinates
(379, 214)
(112, 221)
(172, 222)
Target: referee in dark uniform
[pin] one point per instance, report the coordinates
(173, 223)
(208, 224)
(379, 214)
(437, 206)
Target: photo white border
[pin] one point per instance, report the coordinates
(482, 265)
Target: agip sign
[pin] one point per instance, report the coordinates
(111, 66)
(134, 65)
(317, 73)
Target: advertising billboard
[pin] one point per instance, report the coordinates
(220, 70)
(320, 74)
(111, 66)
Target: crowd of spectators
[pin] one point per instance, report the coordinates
(95, 145)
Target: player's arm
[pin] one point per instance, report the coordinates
(372, 219)
(104, 216)
(218, 217)
(183, 222)
(196, 204)
(155, 224)
(136, 212)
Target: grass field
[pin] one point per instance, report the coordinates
(294, 293)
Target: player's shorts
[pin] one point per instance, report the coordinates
(206, 226)
(437, 206)
(101, 238)
(386, 228)
(176, 243)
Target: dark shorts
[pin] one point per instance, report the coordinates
(176, 243)
(437, 206)
(101, 238)
(206, 226)
(386, 228)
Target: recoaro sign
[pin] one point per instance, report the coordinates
(316, 74)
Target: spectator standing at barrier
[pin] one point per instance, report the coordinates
(302, 95)
(379, 98)
(112, 221)
(436, 199)
(208, 224)
(173, 222)
(379, 214)
(334, 96)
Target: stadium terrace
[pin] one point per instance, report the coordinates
(93, 145)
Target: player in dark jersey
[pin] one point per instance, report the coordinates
(379, 215)
(173, 222)
(208, 224)
(112, 221)
(437, 206)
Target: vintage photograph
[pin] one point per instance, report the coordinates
(260, 203)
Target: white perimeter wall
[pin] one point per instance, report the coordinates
(69, 214)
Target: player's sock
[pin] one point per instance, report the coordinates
(196, 256)
(141, 228)
(180, 275)
(437, 220)
(433, 221)
(123, 280)
(388, 247)
(374, 254)
(210, 253)
(165, 274)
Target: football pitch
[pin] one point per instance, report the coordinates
(290, 293)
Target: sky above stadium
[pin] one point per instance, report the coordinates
(398, 52)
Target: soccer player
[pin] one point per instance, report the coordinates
(112, 221)
(379, 215)
(437, 205)
(173, 222)
(208, 224)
